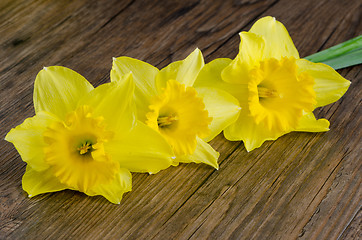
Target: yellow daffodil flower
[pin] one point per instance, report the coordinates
(84, 138)
(275, 88)
(185, 116)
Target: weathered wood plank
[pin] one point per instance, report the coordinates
(303, 184)
(353, 231)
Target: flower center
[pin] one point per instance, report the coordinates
(278, 94)
(75, 150)
(180, 116)
(85, 148)
(166, 121)
(267, 93)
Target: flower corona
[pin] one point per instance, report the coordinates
(179, 115)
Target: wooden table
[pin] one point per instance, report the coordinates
(303, 185)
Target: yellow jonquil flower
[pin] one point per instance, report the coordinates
(185, 116)
(276, 89)
(85, 139)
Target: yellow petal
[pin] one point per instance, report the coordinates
(144, 77)
(221, 106)
(250, 54)
(249, 132)
(278, 43)
(114, 102)
(210, 76)
(114, 190)
(28, 139)
(38, 182)
(144, 74)
(329, 85)
(142, 150)
(58, 89)
(184, 71)
(204, 153)
(308, 123)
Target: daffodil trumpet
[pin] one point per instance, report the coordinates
(84, 138)
(185, 116)
(277, 91)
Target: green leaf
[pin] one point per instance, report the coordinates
(346, 54)
(350, 59)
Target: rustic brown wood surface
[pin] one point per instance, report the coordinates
(301, 186)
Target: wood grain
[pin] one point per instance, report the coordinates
(303, 185)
